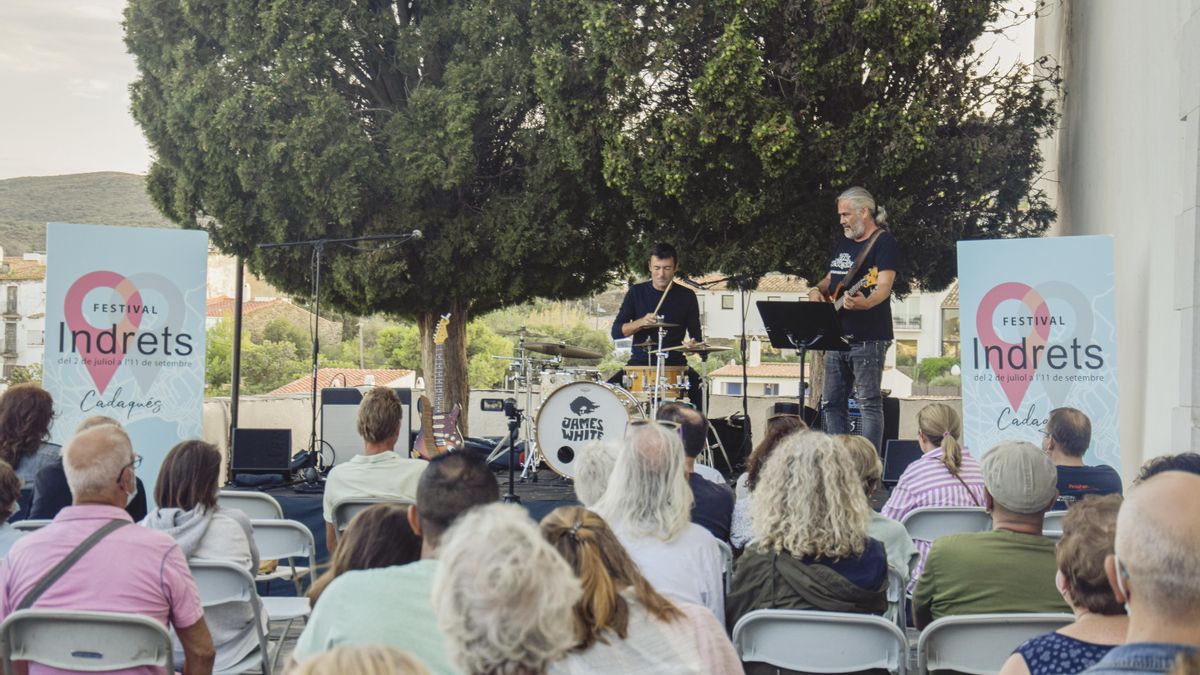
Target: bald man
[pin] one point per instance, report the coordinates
(131, 569)
(1156, 573)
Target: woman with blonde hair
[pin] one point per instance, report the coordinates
(945, 474)
(361, 660)
(810, 548)
(622, 623)
(778, 428)
(380, 536)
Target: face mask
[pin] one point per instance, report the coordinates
(134, 494)
(1122, 574)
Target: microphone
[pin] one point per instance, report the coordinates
(416, 234)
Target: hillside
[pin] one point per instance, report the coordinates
(108, 198)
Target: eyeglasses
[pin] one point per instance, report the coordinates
(133, 464)
(673, 426)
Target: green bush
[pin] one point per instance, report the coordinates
(946, 381)
(932, 367)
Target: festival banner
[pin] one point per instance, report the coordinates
(125, 311)
(1038, 331)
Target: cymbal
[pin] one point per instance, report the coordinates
(562, 349)
(661, 324)
(705, 350)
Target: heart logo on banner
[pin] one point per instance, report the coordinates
(101, 366)
(1013, 380)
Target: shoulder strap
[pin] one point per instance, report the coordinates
(68, 562)
(862, 257)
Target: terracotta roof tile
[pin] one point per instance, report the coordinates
(340, 377)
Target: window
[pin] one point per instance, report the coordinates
(10, 337)
(950, 346)
(771, 389)
(37, 337)
(906, 357)
(12, 300)
(906, 313)
(726, 302)
(733, 388)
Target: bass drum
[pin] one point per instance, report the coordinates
(577, 414)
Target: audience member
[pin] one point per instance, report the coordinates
(392, 605)
(810, 548)
(901, 553)
(186, 493)
(778, 427)
(10, 495)
(945, 474)
(1184, 461)
(622, 624)
(26, 411)
(1155, 571)
(648, 505)
(379, 471)
(504, 598)
(380, 536)
(1100, 621)
(1012, 567)
(712, 506)
(593, 466)
(361, 660)
(128, 569)
(51, 493)
(1066, 438)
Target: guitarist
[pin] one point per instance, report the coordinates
(866, 315)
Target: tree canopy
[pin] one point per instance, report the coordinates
(733, 124)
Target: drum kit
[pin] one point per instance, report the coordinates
(574, 406)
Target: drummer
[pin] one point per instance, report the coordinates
(676, 304)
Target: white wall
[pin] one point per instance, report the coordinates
(1127, 166)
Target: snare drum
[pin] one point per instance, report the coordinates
(641, 381)
(553, 379)
(577, 414)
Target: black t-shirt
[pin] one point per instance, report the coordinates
(1077, 481)
(874, 323)
(680, 306)
(712, 506)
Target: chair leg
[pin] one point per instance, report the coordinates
(279, 645)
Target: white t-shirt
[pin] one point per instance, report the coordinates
(687, 569)
(386, 475)
(708, 473)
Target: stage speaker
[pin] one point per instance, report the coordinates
(729, 431)
(891, 419)
(261, 451)
(339, 424)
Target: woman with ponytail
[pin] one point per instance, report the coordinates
(945, 475)
(622, 624)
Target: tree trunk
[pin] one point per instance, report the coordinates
(457, 385)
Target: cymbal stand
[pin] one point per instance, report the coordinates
(660, 375)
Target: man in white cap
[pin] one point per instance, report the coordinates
(1012, 567)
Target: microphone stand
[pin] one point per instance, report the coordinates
(312, 461)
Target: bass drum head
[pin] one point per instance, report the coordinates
(577, 414)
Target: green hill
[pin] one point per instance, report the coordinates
(107, 198)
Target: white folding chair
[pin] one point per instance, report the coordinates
(84, 641)
(980, 643)
(726, 564)
(220, 582)
(931, 522)
(31, 524)
(344, 510)
(897, 599)
(284, 540)
(820, 642)
(256, 505)
(1053, 522)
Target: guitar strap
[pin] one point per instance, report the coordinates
(862, 257)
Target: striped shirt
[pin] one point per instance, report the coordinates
(927, 482)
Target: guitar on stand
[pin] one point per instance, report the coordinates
(439, 428)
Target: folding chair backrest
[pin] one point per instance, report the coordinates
(726, 564)
(820, 642)
(256, 505)
(980, 643)
(85, 641)
(1053, 521)
(220, 582)
(279, 539)
(345, 509)
(31, 524)
(932, 522)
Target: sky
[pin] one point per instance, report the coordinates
(65, 75)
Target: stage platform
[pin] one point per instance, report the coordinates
(542, 496)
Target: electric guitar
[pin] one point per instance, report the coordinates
(439, 429)
(869, 280)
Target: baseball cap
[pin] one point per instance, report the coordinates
(1020, 477)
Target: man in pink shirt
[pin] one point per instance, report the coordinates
(133, 569)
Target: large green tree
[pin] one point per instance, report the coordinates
(309, 119)
(734, 124)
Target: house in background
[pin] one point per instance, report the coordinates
(721, 307)
(350, 377)
(24, 281)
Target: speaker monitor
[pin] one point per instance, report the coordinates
(339, 424)
(261, 451)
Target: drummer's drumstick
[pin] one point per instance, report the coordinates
(664, 297)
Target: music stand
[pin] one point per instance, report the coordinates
(802, 326)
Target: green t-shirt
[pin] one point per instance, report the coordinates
(389, 606)
(989, 573)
